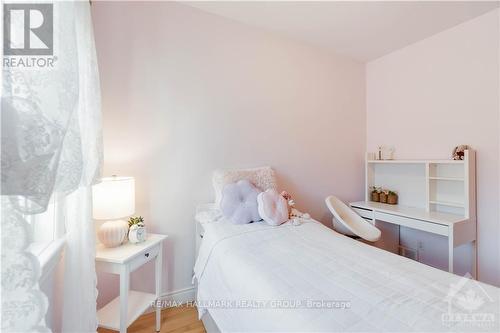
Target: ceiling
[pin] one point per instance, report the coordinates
(361, 30)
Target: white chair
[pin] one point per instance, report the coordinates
(347, 222)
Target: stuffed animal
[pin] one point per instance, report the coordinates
(459, 152)
(295, 214)
(288, 198)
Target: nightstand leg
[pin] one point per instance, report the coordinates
(158, 271)
(124, 287)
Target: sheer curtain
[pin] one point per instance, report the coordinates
(51, 146)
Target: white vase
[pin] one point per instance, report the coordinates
(112, 233)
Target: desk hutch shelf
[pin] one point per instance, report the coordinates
(437, 196)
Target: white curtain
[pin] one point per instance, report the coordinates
(51, 145)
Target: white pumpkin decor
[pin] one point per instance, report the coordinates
(112, 233)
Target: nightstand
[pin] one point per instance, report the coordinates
(123, 260)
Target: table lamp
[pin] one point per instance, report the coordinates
(113, 200)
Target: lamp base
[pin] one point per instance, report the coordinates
(113, 233)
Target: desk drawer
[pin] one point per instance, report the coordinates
(144, 257)
(367, 214)
(413, 223)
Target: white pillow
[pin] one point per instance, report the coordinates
(207, 213)
(239, 202)
(262, 177)
(273, 207)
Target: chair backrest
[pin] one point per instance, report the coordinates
(352, 221)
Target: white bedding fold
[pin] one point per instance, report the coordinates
(216, 233)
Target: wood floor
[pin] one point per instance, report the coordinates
(173, 320)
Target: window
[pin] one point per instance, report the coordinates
(47, 226)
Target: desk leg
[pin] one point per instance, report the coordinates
(124, 288)
(158, 271)
(450, 251)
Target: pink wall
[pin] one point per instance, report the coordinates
(430, 96)
(185, 92)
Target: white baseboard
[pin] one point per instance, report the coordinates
(176, 298)
(180, 296)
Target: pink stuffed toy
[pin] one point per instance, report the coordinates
(293, 212)
(288, 198)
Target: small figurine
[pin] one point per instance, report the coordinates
(459, 152)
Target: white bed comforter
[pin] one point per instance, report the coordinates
(256, 277)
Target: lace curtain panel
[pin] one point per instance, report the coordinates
(51, 145)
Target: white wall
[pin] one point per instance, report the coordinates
(185, 92)
(433, 95)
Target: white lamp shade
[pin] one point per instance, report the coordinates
(113, 198)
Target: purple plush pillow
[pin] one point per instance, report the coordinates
(239, 202)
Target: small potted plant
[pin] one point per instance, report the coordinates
(375, 195)
(137, 231)
(392, 198)
(383, 196)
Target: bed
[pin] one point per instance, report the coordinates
(309, 278)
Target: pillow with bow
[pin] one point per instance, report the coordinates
(239, 202)
(262, 177)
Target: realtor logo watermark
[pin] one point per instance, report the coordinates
(28, 35)
(468, 305)
(258, 304)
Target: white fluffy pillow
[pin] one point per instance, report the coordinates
(262, 177)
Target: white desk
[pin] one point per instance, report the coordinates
(126, 308)
(458, 229)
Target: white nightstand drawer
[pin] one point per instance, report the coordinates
(144, 256)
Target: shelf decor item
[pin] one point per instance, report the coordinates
(387, 152)
(383, 196)
(136, 231)
(113, 200)
(375, 194)
(459, 152)
(392, 198)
